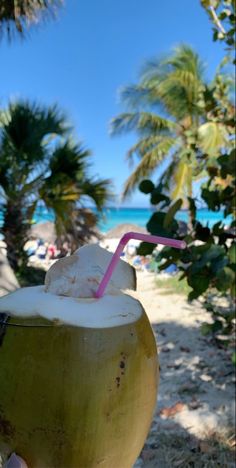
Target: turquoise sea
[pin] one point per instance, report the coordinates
(113, 216)
(140, 216)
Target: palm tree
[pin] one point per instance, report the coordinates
(168, 113)
(17, 15)
(39, 162)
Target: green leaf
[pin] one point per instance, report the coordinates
(193, 295)
(146, 186)
(171, 212)
(205, 3)
(156, 225)
(200, 249)
(192, 207)
(227, 163)
(214, 327)
(212, 136)
(145, 248)
(208, 255)
(158, 197)
(222, 15)
(212, 198)
(215, 35)
(234, 358)
(218, 229)
(225, 279)
(200, 282)
(232, 253)
(170, 254)
(218, 264)
(205, 329)
(202, 233)
(182, 179)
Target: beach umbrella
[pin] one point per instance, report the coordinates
(121, 229)
(45, 231)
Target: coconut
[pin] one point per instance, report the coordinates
(108, 311)
(80, 274)
(78, 374)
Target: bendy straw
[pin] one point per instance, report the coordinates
(176, 244)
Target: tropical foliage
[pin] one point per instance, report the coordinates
(40, 163)
(222, 13)
(168, 113)
(209, 262)
(16, 16)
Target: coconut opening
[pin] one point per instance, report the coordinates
(108, 311)
(68, 293)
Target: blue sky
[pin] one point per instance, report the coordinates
(92, 49)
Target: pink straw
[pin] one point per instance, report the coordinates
(116, 256)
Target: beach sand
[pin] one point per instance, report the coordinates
(197, 383)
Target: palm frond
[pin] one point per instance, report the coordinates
(99, 190)
(179, 94)
(24, 127)
(142, 122)
(174, 81)
(183, 57)
(162, 144)
(70, 159)
(173, 99)
(134, 96)
(33, 186)
(36, 164)
(16, 16)
(212, 136)
(150, 161)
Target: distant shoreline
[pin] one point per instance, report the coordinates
(114, 216)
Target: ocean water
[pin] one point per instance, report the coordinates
(113, 216)
(140, 216)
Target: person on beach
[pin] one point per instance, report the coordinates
(51, 252)
(41, 251)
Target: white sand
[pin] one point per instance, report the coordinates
(194, 372)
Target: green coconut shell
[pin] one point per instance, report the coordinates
(76, 397)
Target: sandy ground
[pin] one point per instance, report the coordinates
(197, 383)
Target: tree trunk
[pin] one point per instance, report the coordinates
(8, 281)
(15, 231)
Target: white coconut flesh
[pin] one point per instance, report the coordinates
(68, 296)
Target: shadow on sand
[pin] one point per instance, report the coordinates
(192, 426)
